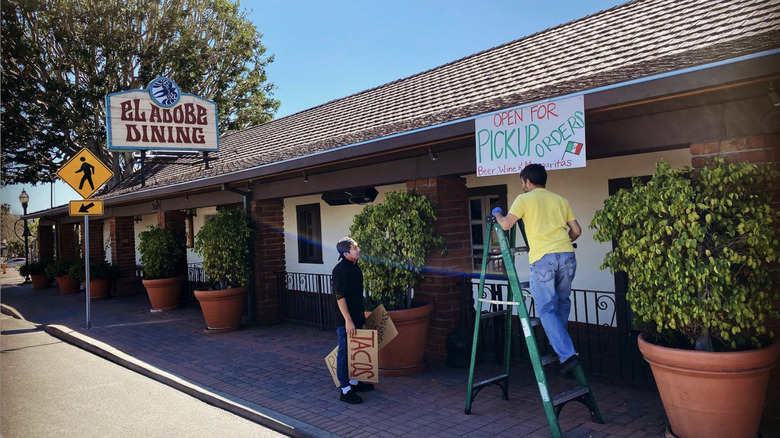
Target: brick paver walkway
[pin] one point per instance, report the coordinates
(281, 368)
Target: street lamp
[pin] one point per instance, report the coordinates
(24, 198)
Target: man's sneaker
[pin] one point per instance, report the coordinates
(568, 366)
(351, 397)
(363, 387)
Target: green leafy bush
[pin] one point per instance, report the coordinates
(163, 252)
(34, 268)
(225, 242)
(98, 269)
(58, 268)
(698, 247)
(395, 237)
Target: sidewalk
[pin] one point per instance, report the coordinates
(275, 375)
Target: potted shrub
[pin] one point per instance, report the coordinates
(698, 247)
(395, 238)
(59, 270)
(37, 273)
(101, 276)
(163, 257)
(225, 243)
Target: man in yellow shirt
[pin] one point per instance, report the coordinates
(551, 228)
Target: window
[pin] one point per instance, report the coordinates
(481, 201)
(309, 233)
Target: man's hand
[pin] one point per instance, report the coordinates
(350, 326)
(497, 210)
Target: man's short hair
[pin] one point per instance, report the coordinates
(344, 245)
(535, 173)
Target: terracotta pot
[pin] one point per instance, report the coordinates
(708, 394)
(164, 293)
(40, 281)
(67, 285)
(222, 308)
(404, 354)
(99, 288)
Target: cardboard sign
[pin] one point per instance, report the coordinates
(330, 362)
(380, 321)
(363, 355)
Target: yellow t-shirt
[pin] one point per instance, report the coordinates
(544, 215)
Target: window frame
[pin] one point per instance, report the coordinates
(309, 235)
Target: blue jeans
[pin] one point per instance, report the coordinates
(551, 278)
(342, 372)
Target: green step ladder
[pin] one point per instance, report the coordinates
(553, 404)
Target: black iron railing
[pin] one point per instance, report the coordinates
(605, 350)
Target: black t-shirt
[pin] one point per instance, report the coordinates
(348, 284)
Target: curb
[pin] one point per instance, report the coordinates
(250, 411)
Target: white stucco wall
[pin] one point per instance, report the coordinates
(335, 225)
(586, 189)
(197, 223)
(107, 239)
(147, 220)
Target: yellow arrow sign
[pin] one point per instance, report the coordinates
(85, 173)
(89, 207)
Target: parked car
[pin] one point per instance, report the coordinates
(18, 261)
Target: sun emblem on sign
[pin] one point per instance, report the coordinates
(164, 92)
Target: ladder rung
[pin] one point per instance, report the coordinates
(569, 395)
(549, 358)
(492, 314)
(513, 251)
(511, 303)
(519, 250)
(490, 380)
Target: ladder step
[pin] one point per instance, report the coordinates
(569, 395)
(549, 358)
(513, 251)
(490, 380)
(511, 303)
(492, 314)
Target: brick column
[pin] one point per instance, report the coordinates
(269, 256)
(123, 254)
(443, 288)
(69, 247)
(45, 243)
(759, 149)
(96, 249)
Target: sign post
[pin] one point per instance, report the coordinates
(85, 173)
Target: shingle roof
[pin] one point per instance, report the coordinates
(630, 41)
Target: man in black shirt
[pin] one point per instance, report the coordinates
(350, 315)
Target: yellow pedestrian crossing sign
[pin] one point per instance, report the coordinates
(85, 173)
(89, 207)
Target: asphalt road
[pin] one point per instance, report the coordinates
(54, 389)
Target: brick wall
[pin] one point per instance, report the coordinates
(123, 254)
(443, 287)
(269, 256)
(762, 149)
(45, 243)
(69, 246)
(96, 249)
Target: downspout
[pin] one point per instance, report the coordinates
(251, 297)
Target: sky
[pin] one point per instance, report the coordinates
(326, 50)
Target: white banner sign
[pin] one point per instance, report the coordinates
(550, 133)
(161, 118)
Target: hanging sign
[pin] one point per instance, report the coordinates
(548, 133)
(85, 173)
(161, 117)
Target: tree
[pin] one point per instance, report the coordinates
(61, 58)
